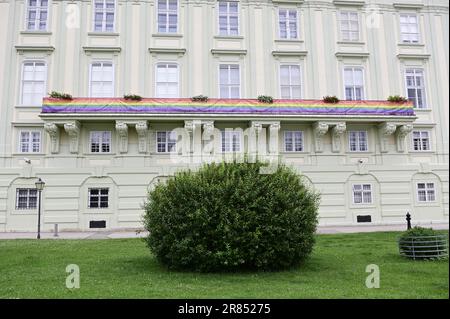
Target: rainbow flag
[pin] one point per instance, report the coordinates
(224, 106)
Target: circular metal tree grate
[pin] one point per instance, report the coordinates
(424, 247)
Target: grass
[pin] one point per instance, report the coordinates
(124, 268)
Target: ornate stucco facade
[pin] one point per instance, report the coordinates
(99, 164)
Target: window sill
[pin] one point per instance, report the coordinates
(39, 32)
(167, 35)
(28, 154)
(363, 206)
(103, 34)
(229, 37)
(289, 41)
(25, 212)
(294, 152)
(359, 152)
(425, 110)
(422, 152)
(28, 106)
(351, 42)
(99, 154)
(406, 44)
(427, 204)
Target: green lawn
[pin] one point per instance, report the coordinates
(124, 268)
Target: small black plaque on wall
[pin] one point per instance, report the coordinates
(364, 218)
(97, 224)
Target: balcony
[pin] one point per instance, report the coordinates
(389, 118)
(163, 108)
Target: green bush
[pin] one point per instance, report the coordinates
(265, 99)
(133, 97)
(229, 216)
(422, 243)
(331, 99)
(62, 96)
(199, 98)
(397, 99)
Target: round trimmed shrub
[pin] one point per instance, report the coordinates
(423, 243)
(229, 216)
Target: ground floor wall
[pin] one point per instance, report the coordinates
(65, 197)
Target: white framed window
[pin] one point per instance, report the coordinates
(426, 192)
(100, 141)
(290, 82)
(167, 16)
(229, 81)
(37, 15)
(409, 28)
(34, 82)
(98, 197)
(288, 23)
(101, 82)
(166, 142)
(354, 83)
(358, 141)
(421, 140)
(26, 198)
(231, 141)
(415, 87)
(167, 78)
(30, 142)
(228, 18)
(293, 141)
(362, 193)
(349, 23)
(104, 15)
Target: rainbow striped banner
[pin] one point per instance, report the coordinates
(225, 106)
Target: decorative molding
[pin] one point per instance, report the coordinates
(352, 54)
(53, 131)
(402, 132)
(384, 131)
(189, 126)
(337, 131)
(419, 56)
(167, 51)
(354, 3)
(228, 37)
(73, 130)
(320, 129)
(36, 33)
(227, 51)
(142, 132)
(289, 53)
(103, 34)
(122, 132)
(208, 127)
(399, 5)
(288, 1)
(167, 35)
(21, 49)
(102, 49)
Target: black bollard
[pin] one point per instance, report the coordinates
(408, 220)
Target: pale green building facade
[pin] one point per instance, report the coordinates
(370, 169)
